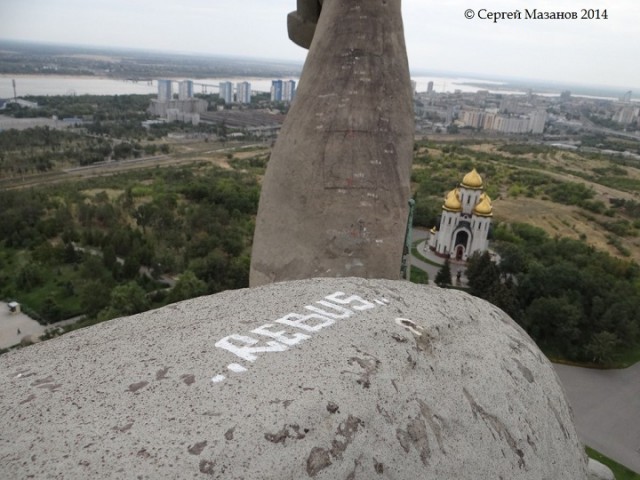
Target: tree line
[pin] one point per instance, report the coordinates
(576, 302)
(107, 248)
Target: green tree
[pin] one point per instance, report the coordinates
(482, 274)
(94, 296)
(109, 259)
(29, 277)
(127, 299)
(443, 277)
(555, 323)
(513, 259)
(602, 347)
(144, 215)
(188, 286)
(70, 255)
(131, 266)
(51, 311)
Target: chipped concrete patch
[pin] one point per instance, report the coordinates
(308, 379)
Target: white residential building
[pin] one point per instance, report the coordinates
(243, 92)
(226, 92)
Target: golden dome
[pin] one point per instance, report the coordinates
(452, 201)
(472, 180)
(484, 207)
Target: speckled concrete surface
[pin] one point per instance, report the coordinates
(324, 378)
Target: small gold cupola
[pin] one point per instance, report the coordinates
(472, 180)
(452, 201)
(484, 207)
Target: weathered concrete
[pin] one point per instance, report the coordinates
(301, 24)
(334, 197)
(401, 382)
(599, 471)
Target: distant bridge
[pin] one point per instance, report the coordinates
(205, 86)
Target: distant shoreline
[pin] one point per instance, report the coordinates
(45, 84)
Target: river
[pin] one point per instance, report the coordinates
(69, 85)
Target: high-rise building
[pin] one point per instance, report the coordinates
(165, 91)
(243, 92)
(490, 119)
(288, 90)
(276, 90)
(537, 120)
(430, 87)
(626, 115)
(185, 90)
(226, 92)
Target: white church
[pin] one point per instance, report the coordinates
(465, 221)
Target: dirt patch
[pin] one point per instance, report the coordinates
(111, 193)
(253, 153)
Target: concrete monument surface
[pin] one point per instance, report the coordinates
(334, 197)
(323, 378)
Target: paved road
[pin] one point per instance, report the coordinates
(10, 323)
(432, 270)
(606, 406)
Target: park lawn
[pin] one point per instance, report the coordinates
(418, 275)
(59, 286)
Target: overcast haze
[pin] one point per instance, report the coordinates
(439, 37)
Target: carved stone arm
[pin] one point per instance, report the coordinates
(301, 24)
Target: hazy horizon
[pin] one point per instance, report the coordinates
(520, 82)
(438, 36)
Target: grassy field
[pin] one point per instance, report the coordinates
(418, 275)
(568, 194)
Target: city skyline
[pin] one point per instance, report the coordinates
(438, 36)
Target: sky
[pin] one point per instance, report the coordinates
(438, 35)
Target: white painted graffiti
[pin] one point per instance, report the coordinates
(334, 307)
